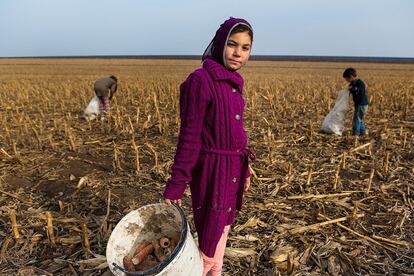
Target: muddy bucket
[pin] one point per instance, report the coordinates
(152, 222)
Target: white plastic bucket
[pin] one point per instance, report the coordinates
(152, 222)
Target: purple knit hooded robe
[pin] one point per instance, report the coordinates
(212, 154)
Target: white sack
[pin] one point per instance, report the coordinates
(92, 110)
(334, 122)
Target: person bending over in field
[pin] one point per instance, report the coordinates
(105, 89)
(359, 95)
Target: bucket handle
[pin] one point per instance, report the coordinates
(159, 267)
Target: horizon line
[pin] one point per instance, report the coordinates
(253, 57)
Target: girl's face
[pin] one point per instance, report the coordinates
(237, 50)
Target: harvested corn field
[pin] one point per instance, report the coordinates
(318, 203)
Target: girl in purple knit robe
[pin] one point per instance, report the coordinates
(212, 155)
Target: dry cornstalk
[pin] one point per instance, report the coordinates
(308, 181)
(319, 196)
(51, 143)
(14, 148)
(253, 172)
(396, 242)
(137, 117)
(108, 209)
(116, 163)
(155, 155)
(132, 130)
(39, 142)
(355, 211)
(371, 176)
(5, 153)
(61, 205)
(405, 111)
(343, 161)
(157, 112)
(86, 243)
(50, 232)
(310, 131)
(338, 169)
(89, 124)
(360, 147)
(71, 139)
(386, 158)
(12, 195)
(69, 241)
(118, 121)
(15, 227)
(6, 128)
(405, 140)
(288, 177)
(26, 130)
(316, 226)
(328, 101)
(136, 150)
(290, 169)
(353, 232)
(405, 216)
(146, 124)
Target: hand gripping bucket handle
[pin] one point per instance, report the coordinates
(159, 267)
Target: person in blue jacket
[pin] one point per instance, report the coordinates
(357, 88)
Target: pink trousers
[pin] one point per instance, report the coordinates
(215, 264)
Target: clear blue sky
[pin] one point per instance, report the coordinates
(178, 27)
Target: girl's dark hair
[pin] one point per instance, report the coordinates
(349, 72)
(241, 28)
(114, 78)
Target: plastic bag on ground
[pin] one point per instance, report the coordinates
(334, 122)
(92, 110)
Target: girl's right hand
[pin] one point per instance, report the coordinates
(170, 201)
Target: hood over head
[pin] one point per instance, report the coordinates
(215, 50)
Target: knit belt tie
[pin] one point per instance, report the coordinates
(244, 152)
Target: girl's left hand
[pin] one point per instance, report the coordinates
(171, 201)
(247, 184)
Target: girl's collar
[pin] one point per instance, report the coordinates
(218, 72)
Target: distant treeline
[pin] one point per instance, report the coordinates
(253, 57)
